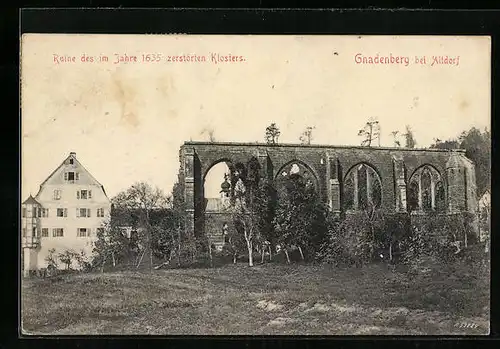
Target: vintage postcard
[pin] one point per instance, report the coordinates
(255, 185)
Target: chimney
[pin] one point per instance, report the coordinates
(73, 153)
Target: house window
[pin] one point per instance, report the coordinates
(71, 176)
(83, 212)
(24, 212)
(57, 232)
(82, 232)
(45, 232)
(100, 212)
(57, 194)
(62, 212)
(42, 212)
(84, 194)
(71, 161)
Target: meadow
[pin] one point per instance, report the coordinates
(267, 299)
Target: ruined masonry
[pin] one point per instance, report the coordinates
(394, 179)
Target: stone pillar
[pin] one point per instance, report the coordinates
(355, 182)
(263, 162)
(433, 193)
(189, 189)
(333, 189)
(368, 186)
(456, 183)
(420, 206)
(399, 177)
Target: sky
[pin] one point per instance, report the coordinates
(126, 121)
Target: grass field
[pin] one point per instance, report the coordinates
(266, 299)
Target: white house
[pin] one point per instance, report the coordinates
(65, 214)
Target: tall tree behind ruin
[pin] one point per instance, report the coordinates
(272, 134)
(306, 136)
(410, 140)
(477, 147)
(143, 199)
(370, 132)
(397, 143)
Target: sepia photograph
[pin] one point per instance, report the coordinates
(333, 185)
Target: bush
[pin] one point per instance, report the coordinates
(51, 260)
(436, 239)
(70, 257)
(353, 239)
(419, 242)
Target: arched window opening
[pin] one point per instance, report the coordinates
(440, 197)
(217, 187)
(294, 172)
(362, 188)
(349, 192)
(426, 191)
(412, 197)
(363, 191)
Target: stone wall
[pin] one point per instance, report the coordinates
(329, 165)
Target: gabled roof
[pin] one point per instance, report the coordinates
(30, 201)
(71, 155)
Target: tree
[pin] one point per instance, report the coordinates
(272, 133)
(409, 138)
(448, 144)
(306, 136)
(250, 204)
(67, 257)
(477, 147)
(51, 260)
(112, 243)
(234, 243)
(244, 218)
(266, 203)
(397, 143)
(142, 199)
(300, 217)
(165, 234)
(370, 132)
(211, 136)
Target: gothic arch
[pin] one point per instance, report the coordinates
(227, 160)
(290, 164)
(362, 187)
(426, 190)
